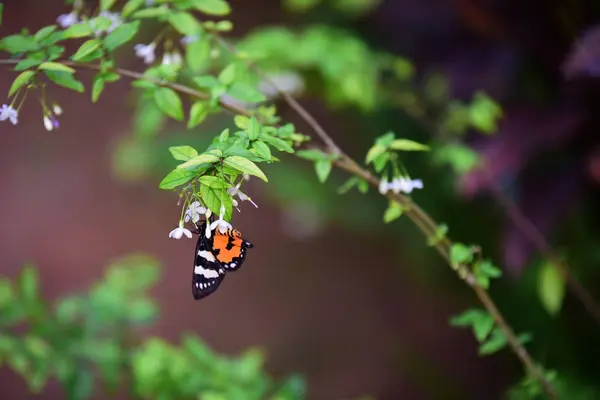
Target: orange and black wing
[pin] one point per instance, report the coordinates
(230, 249)
(208, 272)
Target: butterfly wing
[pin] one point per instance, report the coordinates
(230, 250)
(208, 272)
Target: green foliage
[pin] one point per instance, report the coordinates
(551, 287)
(86, 342)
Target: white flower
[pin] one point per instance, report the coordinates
(56, 109)
(7, 112)
(146, 52)
(384, 186)
(172, 59)
(219, 224)
(48, 123)
(189, 39)
(405, 185)
(237, 192)
(178, 232)
(194, 211)
(66, 20)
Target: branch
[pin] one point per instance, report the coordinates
(419, 217)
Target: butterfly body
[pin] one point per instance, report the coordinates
(214, 257)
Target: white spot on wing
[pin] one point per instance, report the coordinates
(207, 255)
(232, 265)
(207, 273)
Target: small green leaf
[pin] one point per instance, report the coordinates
(121, 35)
(86, 49)
(313, 155)
(97, 87)
(374, 152)
(460, 254)
(44, 32)
(197, 54)
(393, 212)
(262, 150)
(224, 135)
(19, 44)
(551, 287)
(169, 102)
(80, 30)
(212, 7)
(349, 184)
(183, 153)
(175, 178)
(106, 4)
(323, 169)
(206, 81)
(241, 121)
(385, 140)
(198, 112)
(214, 198)
(244, 165)
(279, 144)
(205, 158)
(408, 145)
(152, 12)
(212, 181)
(65, 79)
(440, 234)
(245, 92)
(495, 343)
(468, 317)
(54, 66)
(131, 6)
(28, 284)
(227, 75)
(253, 129)
(21, 80)
(185, 23)
(482, 326)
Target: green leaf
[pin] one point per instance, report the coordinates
(314, 155)
(185, 23)
(214, 198)
(121, 35)
(152, 12)
(97, 87)
(21, 80)
(86, 49)
(460, 254)
(227, 75)
(323, 169)
(482, 326)
(53, 66)
(131, 6)
(374, 152)
(66, 80)
(198, 113)
(80, 30)
(386, 139)
(197, 54)
(440, 234)
(213, 182)
(212, 7)
(551, 287)
(246, 92)
(262, 150)
(224, 135)
(175, 178)
(241, 121)
(484, 113)
(468, 318)
(207, 81)
(381, 161)
(244, 165)
(106, 4)
(393, 212)
(253, 128)
(44, 32)
(169, 102)
(183, 153)
(408, 145)
(205, 158)
(28, 284)
(495, 343)
(19, 44)
(279, 144)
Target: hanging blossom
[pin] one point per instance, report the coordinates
(146, 52)
(178, 232)
(173, 58)
(235, 191)
(9, 113)
(66, 20)
(400, 184)
(219, 224)
(115, 21)
(189, 39)
(194, 211)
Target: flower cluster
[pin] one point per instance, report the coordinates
(400, 184)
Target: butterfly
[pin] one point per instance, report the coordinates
(214, 257)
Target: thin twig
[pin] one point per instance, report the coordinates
(421, 219)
